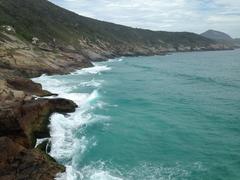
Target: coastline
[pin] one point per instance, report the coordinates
(49, 140)
(76, 124)
(25, 118)
(50, 88)
(31, 115)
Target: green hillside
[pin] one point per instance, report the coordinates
(65, 30)
(60, 27)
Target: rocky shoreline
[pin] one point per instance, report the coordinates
(23, 119)
(24, 112)
(21, 124)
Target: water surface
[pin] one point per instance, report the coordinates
(149, 118)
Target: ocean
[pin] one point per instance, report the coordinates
(172, 117)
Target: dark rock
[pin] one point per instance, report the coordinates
(28, 86)
(17, 162)
(20, 124)
(45, 146)
(30, 119)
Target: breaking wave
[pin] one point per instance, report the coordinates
(92, 70)
(66, 146)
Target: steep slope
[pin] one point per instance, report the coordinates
(21, 58)
(65, 30)
(22, 117)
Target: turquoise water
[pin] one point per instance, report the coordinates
(147, 118)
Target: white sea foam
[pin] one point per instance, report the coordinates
(92, 83)
(78, 98)
(92, 70)
(39, 141)
(116, 59)
(63, 127)
(99, 171)
(66, 147)
(88, 172)
(70, 174)
(54, 85)
(98, 174)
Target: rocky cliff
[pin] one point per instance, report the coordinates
(23, 117)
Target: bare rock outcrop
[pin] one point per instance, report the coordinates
(29, 119)
(24, 113)
(20, 124)
(20, 163)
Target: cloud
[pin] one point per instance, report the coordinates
(175, 15)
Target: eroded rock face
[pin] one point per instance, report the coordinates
(28, 86)
(20, 89)
(22, 117)
(20, 163)
(20, 124)
(23, 59)
(29, 120)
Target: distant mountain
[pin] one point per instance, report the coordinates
(217, 35)
(221, 37)
(43, 22)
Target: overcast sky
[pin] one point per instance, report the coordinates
(170, 15)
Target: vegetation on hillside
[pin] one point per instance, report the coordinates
(55, 25)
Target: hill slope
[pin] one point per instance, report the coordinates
(221, 37)
(217, 35)
(62, 29)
